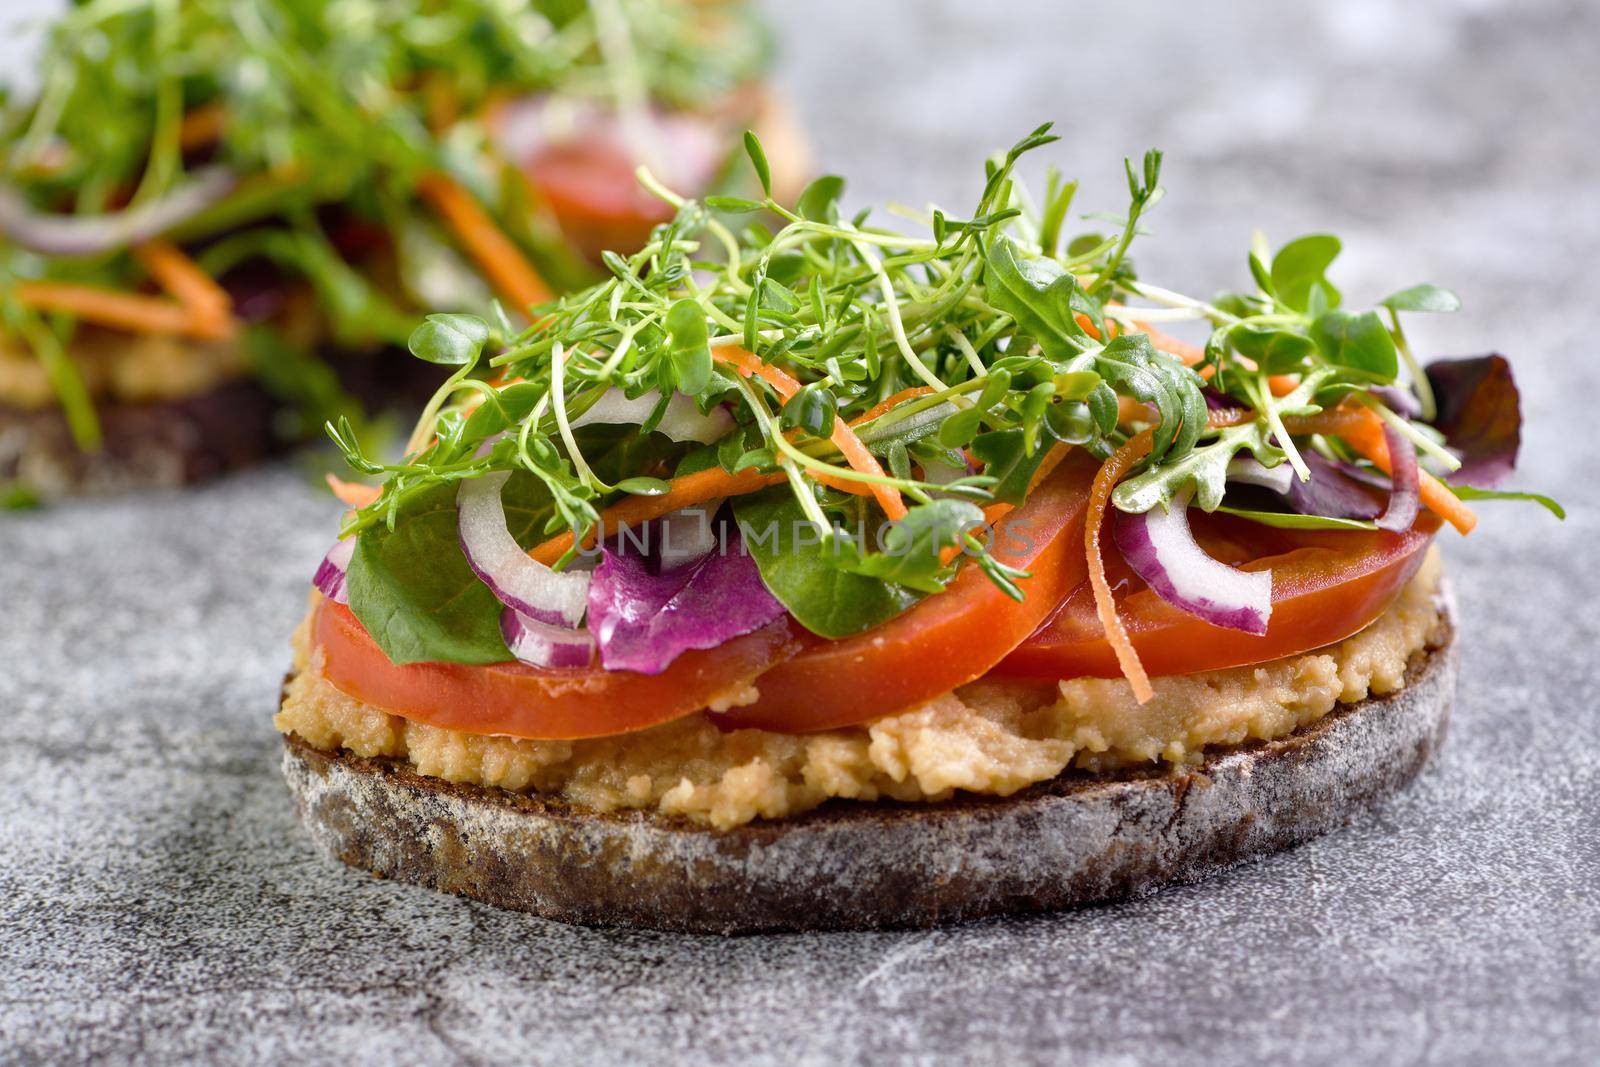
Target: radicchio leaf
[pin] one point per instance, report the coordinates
(1480, 415)
(1336, 490)
(643, 618)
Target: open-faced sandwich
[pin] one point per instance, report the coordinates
(810, 574)
(211, 211)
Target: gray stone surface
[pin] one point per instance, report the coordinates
(158, 903)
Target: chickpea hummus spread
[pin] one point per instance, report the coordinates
(989, 737)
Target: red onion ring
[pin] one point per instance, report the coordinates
(539, 644)
(682, 421)
(1405, 495)
(521, 582)
(1161, 549)
(85, 235)
(330, 575)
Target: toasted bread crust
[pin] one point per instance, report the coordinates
(158, 445)
(173, 443)
(1077, 839)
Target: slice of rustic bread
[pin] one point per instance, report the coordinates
(156, 445)
(1078, 839)
(173, 443)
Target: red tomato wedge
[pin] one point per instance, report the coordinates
(1326, 585)
(947, 640)
(515, 700)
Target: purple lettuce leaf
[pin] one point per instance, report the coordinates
(643, 618)
(1480, 415)
(1338, 490)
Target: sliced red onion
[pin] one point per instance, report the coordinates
(681, 422)
(1405, 493)
(84, 235)
(1248, 470)
(520, 581)
(329, 578)
(1161, 549)
(539, 644)
(642, 621)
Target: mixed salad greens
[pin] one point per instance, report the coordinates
(880, 399)
(347, 146)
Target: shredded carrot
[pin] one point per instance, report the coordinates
(110, 307)
(883, 407)
(202, 126)
(1131, 410)
(192, 287)
(715, 483)
(1363, 429)
(1172, 346)
(495, 253)
(711, 484)
(844, 439)
(353, 494)
(1121, 461)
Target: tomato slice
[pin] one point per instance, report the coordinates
(948, 639)
(515, 700)
(587, 177)
(1326, 585)
(592, 192)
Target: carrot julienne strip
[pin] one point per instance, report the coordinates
(1121, 461)
(844, 439)
(352, 494)
(883, 407)
(1172, 346)
(134, 312)
(499, 259)
(192, 287)
(1364, 431)
(711, 484)
(201, 127)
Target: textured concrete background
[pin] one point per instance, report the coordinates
(157, 901)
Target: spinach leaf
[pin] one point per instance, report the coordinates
(412, 589)
(689, 354)
(1292, 521)
(1471, 492)
(454, 340)
(1424, 297)
(801, 569)
(1358, 343)
(1301, 265)
(1275, 350)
